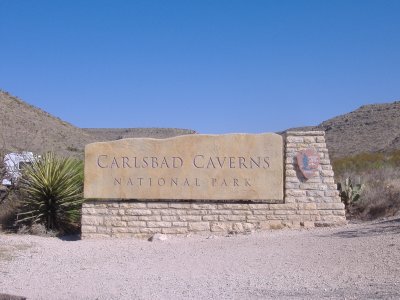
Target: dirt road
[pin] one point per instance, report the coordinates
(359, 261)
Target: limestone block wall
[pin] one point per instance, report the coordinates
(307, 203)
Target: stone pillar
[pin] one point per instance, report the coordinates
(316, 197)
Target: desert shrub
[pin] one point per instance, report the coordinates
(52, 190)
(379, 195)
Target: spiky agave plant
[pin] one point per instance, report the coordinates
(53, 192)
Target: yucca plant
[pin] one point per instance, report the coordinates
(53, 192)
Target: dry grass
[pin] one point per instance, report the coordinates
(380, 196)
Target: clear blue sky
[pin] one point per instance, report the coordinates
(214, 66)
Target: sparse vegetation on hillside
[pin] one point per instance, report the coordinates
(379, 176)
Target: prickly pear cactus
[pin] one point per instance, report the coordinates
(349, 191)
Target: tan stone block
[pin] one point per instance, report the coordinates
(291, 224)
(313, 186)
(290, 145)
(248, 227)
(150, 230)
(256, 218)
(125, 230)
(295, 193)
(129, 218)
(290, 160)
(307, 212)
(242, 212)
(330, 206)
(292, 179)
(315, 193)
(104, 230)
(138, 212)
(137, 224)
(331, 193)
(327, 173)
(292, 185)
(259, 206)
(169, 218)
(233, 206)
(284, 212)
(179, 224)
(294, 139)
(220, 227)
(237, 227)
(339, 213)
(309, 139)
(199, 226)
(149, 218)
(122, 235)
(158, 224)
(115, 223)
(203, 206)
(180, 205)
(278, 217)
(168, 212)
(135, 205)
(329, 180)
(263, 212)
(232, 218)
(291, 173)
(222, 212)
(190, 218)
(307, 224)
(88, 229)
(285, 206)
(92, 220)
(197, 212)
(292, 199)
(307, 206)
(210, 218)
(326, 167)
(325, 162)
(271, 224)
(93, 211)
(157, 205)
(174, 230)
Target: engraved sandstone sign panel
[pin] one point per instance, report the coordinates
(191, 167)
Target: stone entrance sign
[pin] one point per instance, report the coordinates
(192, 167)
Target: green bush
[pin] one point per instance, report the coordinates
(52, 190)
(365, 162)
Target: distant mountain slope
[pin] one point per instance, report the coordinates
(371, 128)
(24, 127)
(109, 134)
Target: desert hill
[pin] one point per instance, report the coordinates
(24, 127)
(370, 128)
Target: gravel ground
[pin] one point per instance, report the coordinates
(358, 261)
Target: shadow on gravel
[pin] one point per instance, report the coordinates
(70, 238)
(379, 228)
